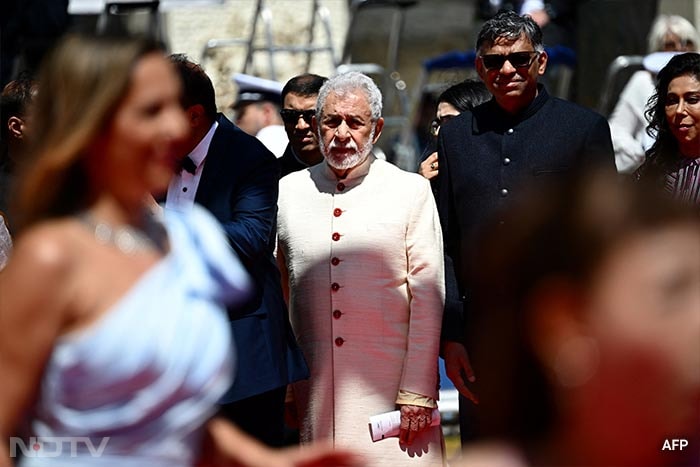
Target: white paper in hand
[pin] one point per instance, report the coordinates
(388, 424)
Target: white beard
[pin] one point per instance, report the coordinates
(344, 161)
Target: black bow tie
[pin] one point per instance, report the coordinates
(187, 165)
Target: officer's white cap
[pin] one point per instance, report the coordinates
(254, 89)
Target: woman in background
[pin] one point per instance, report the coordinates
(590, 352)
(113, 320)
(669, 34)
(452, 102)
(674, 114)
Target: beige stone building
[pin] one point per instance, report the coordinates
(189, 29)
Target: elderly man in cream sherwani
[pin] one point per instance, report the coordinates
(360, 250)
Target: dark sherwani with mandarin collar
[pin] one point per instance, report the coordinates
(486, 157)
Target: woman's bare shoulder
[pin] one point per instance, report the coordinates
(47, 249)
(38, 282)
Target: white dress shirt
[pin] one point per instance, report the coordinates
(183, 186)
(628, 123)
(274, 138)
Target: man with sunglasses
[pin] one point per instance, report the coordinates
(522, 136)
(298, 109)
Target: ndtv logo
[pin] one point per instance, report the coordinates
(56, 446)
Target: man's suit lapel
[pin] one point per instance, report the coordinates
(213, 167)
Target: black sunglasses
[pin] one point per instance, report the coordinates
(291, 116)
(517, 59)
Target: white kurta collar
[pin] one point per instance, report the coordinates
(355, 173)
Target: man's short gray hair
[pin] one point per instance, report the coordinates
(349, 82)
(509, 25)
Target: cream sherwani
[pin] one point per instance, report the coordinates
(363, 261)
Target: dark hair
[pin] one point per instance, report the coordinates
(664, 156)
(510, 25)
(197, 87)
(563, 233)
(306, 85)
(465, 95)
(16, 97)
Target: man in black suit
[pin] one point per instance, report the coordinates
(298, 108)
(235, 177)
(521, 136)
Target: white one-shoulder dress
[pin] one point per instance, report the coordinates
(136, 388)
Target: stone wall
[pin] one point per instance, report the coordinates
(189, 29)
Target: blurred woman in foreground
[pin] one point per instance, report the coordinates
(590, 352)
(113, 326)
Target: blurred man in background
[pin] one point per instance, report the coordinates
(257, 110)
